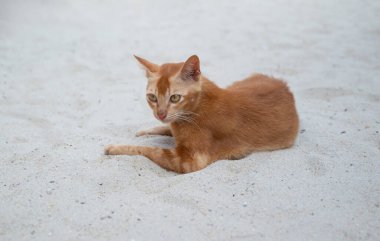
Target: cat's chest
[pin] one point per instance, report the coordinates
(186, 134)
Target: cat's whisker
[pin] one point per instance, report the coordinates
(188, 119)
(190, 112)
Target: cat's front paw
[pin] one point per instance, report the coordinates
(141, 133)
(121, 150)
(111, 150)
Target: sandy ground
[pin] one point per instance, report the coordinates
(69, 85)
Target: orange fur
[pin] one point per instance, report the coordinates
(210, 123)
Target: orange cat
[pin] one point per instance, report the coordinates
(210, 123)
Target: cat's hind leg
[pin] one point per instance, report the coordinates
(159, 130)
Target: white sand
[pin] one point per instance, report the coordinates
(69, 85)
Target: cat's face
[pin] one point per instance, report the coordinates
(173, 89)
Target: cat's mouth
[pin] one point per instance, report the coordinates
(165, 120)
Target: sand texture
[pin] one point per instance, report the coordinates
(69, 85)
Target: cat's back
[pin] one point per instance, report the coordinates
(265, 105)
(262, 91)
(258, 84)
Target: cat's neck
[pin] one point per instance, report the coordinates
(209, 94)
(208, 98)
(209, 87)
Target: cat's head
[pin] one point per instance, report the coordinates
(173, 89)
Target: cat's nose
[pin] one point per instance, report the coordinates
(161, 115)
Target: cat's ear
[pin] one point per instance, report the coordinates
(148, 66)
(191, 69)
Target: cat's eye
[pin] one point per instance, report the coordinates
(175, 98)
(152, 97)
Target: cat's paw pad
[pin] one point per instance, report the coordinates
(110, 150)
